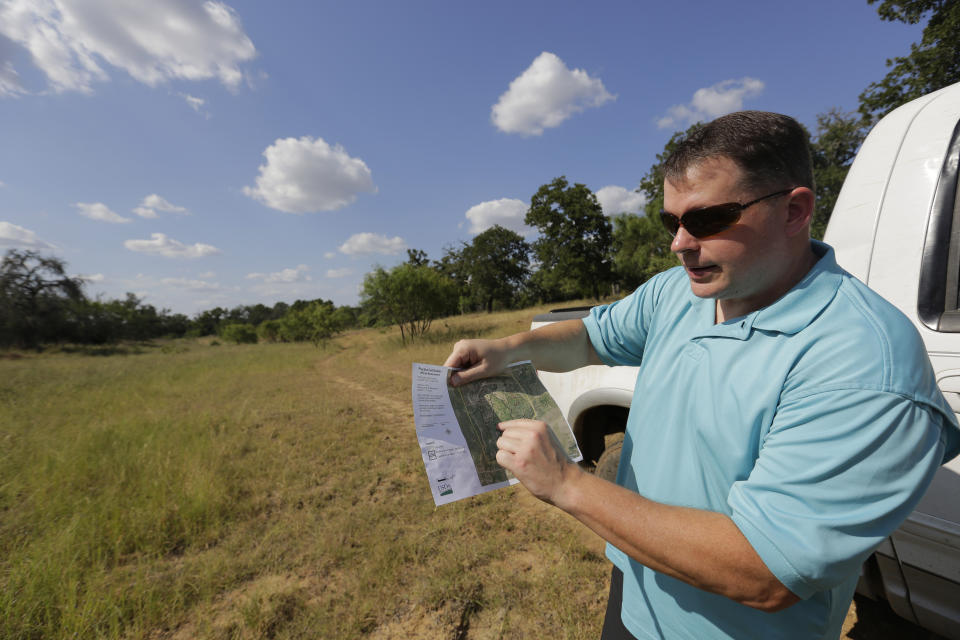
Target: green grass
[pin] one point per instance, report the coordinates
(270, 491)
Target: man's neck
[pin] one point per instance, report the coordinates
(728, 309)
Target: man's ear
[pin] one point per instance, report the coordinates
(799, 211)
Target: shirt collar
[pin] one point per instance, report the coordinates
(798, 307)
(792, 312)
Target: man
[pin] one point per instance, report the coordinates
(785, 419)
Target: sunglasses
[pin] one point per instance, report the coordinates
(707, 221)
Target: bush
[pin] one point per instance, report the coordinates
(269, 330)
(239, 333)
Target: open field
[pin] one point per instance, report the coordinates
(187, 490)
(263, 491)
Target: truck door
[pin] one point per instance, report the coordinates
(915, 263)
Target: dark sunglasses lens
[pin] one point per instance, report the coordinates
(711, 220)
(670, 222)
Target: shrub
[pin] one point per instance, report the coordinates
(269, 330)
(239, 333)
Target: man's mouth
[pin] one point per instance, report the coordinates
(701, 271)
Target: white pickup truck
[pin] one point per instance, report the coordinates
(896, 227)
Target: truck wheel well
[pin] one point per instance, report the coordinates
(593, 425)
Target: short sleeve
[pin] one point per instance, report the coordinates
(837, 473)
(618, 331)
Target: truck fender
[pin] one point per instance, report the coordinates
(596, 414)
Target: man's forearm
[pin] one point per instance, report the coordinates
(560, 346)
(702, 548)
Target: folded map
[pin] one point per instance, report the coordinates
(457, 426)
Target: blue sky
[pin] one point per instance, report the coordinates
(205, 154)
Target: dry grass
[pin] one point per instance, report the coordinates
(264, 491)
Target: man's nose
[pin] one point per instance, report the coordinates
(683, 242)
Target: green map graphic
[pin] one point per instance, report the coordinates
(517, 393)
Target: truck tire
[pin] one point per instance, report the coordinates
(609, 460)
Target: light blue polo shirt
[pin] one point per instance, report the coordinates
(814, 423)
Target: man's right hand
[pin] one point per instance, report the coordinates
(477, 359)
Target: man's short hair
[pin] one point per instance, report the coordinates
(772, 149)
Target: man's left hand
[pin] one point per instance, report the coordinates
(529, 449)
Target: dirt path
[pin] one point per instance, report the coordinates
(381, 402)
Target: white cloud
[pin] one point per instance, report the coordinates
(304, 175)
(10, 81)
(545, 95)
(339, 273)
(195, 103)
(368, 243)
(712, 102)
(506, 212)
(12, 235)
(100, 211)
(190, 285)
(72, 40)
(615, 200)
(207, 274)
(161, 245)
(92, 277)
(284, 276)
(329, 255)
(153, 203)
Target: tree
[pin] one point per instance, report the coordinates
(573, 250)
(497, 264)
(838, 138)
(207, 322)
(37, 299)
(417, 257)
(102, 321)
(258, 313)
(174, 325)
(641, 249)
(931, 65)
(138, 321)
(316, 321)
(323, 320)
(409, 296)
(453, 266)
(348, 317)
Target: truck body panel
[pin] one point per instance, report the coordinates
(927, 546)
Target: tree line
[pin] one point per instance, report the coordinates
(578, 253)
(40, 304)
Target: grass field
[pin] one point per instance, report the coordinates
(186, 490)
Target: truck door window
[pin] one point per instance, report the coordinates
(938, 302)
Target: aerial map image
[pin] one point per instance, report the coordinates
(517, 393)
